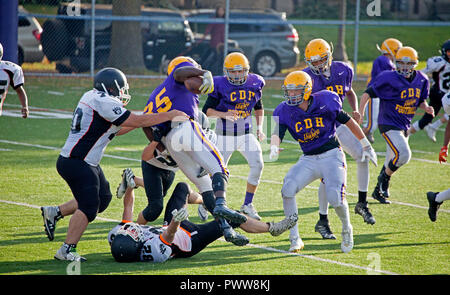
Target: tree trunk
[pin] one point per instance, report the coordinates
(340, 52)
(126, 38)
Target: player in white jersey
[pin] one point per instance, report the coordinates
(98, 117)
(439, 68)
(435, 199)
(178, 238)
(12, 75)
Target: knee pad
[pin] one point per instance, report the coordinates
(182, 188)
(289, 189)
(403, 158)
(255, 173)
(89, 211)
(219, 182)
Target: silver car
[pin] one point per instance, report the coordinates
(29, 39)
(270, 47)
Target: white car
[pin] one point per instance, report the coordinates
(29, 39)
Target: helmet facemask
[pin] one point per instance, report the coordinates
(320, 65)
(236, 76)
(405, 67)
(121, 93)
(297, 99)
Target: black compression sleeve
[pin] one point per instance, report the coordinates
(211, 103)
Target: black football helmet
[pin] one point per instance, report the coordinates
(113, 82)
(127, 244)
(445, 47)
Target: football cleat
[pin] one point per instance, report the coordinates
(231, 235)
(323, 228)
(68, 253)
(276, 229)
(127, 181)
(378, 195)
(221, 210)
(250, 210)
(296, 245)
(51, 215)
(347, 240)
(433, 205)
(202, 212)
(362, 209)
(431, 132)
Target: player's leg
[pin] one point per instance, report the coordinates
(299, 175)
(250, 148)
(274, 228)
(371, 113)
(435, 199)
(334, 170)
(177, 200)
(323, 225)
(353, 147)
(425, 122)
(51, 215)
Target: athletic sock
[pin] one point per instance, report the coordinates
(248, 198)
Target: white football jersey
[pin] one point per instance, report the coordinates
(446, 103)
(96, 120)
(439, 68)
(10, 74)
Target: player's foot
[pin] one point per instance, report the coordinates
(127, 181)
(276, 229)
(250, 210)
(296, 245)
(347, 239)
(230, 234)
(323, 228)
(362, 209)
(433, 206)
(66, 252)
(431, 132)
(221, 210)
(51, 215)
(202, 212)
(377, 195)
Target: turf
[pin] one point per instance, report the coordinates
(403, 240)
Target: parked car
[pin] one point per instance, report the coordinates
(67, 41)
(270, 47)
(29, 39)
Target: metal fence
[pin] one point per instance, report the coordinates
(80, 41)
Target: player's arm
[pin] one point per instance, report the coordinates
(353, 102)
(177, 217)
(183, 73)
(428, 109)
(368, 94)
(259, 116)
(23, 101)
(276, 139)
(443, 154)
(145, 120)
(210, 110)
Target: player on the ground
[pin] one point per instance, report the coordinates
(98, 117)
(311, 119)
(337, 76)
(384, 62)
(235, 95)
(178, 238)
(188, 145)
(435, 199)
(12, 74)
(439, 69)
(401, 92)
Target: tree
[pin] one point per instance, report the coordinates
(340, 52)
(126, 39)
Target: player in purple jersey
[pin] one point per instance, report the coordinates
(188, 145)
(337, 77)
(311, 119)
(401, 92)
(235, 96)
(384, 62)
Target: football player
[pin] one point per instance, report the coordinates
(178, 238)
(311, 119)
(439, 69)
(435, 199)
(97, 118)
(188, 145)
(401, 92)
(12, 74)
(236, 94)
(384, 62)
(337, 76)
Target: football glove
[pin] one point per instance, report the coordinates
(368, 152)
(443, 155)
(180, 215)
(208, 83)
(274, 150)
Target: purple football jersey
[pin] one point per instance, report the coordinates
(399, 98)
(240, 98)
(380, 64)
(340, 80)
(315, 127)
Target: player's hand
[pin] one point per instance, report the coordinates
(357, 117)
(25, 112)
(180, 215)
(429, 110)
(368, 152)
(260, 134)
(443, 155)
(274, 152)
(177, 116)
(231, 115)
(208, 83)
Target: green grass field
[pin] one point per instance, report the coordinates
(403, 240)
